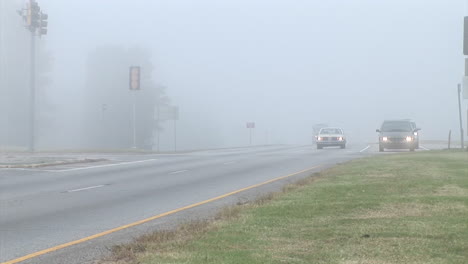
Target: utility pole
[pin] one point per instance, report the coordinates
(36, 23)
(460, 114)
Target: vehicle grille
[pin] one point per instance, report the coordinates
(397, 140)
(329, 138)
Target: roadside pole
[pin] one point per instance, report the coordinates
(250, 126)
(157, 125)
(465, 78)
(460, 115)
(175, 135)
(175, 116)
(134, 85)
(449, 138)
(134, 120)
(36, 23)
(32, 89)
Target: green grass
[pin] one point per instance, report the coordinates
(406, 208)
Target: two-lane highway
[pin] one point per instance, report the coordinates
(41, 210)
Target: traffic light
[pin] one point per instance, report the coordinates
(134, 78)
(43, 24)
(33, 17)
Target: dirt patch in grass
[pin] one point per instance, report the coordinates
(160, 241)
(410, 210)
(452, 190)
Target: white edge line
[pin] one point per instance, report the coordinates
(424, 148)
(364, 149)
(106, 165)
(86, 188)
(24, 169)
(176, 172)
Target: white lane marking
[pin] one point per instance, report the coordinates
(424, 148)
(229, 162)
(364, 149)
(86, 188)
(177, 172)
(107, 165)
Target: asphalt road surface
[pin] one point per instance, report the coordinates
(41, 210)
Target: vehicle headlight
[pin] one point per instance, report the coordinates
(415, 133)
(384, 138)
(340, 139)
(319, 138)
(409, 139)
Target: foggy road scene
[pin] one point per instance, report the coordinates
(121, 118)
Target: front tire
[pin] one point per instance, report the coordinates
(381, 149)
(411, 149)
(343, 146)
(319, 147)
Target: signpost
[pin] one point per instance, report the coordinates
(460, 115)
(166, 113)
(134, 84)
(250, 126)
(465, 79)
(465, 37)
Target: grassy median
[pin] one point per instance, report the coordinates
(403, 208)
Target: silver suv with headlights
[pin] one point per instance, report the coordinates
(397, 134)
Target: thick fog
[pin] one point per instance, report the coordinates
(285, 65)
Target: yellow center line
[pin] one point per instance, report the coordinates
(75, 242)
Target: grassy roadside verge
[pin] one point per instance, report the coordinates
(406, 208)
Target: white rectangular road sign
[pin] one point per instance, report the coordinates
(250, 124)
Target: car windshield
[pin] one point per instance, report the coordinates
(396, 127)
(331, 131)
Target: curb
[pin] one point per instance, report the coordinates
(40, 165)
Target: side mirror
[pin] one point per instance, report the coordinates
(416, 129)
(377, 130)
